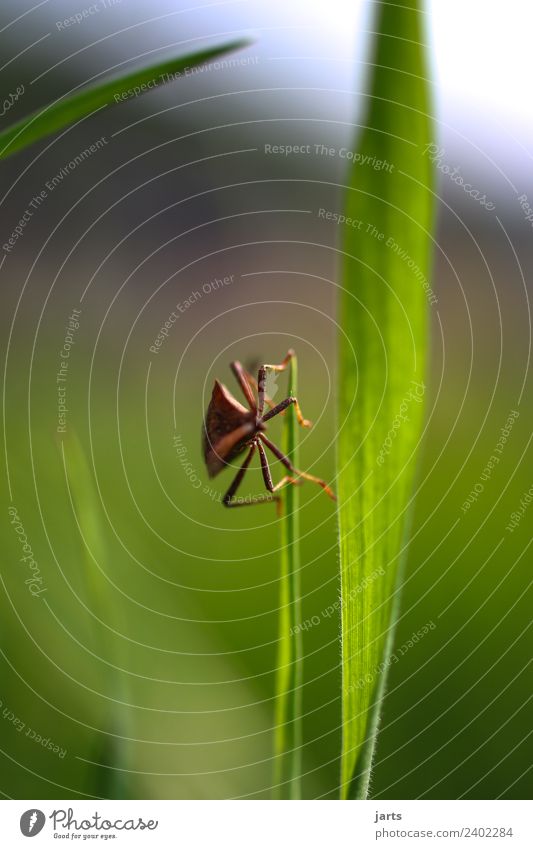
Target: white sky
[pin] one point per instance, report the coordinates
(482, 64)
(482, 55)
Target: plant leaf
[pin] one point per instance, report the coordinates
(85, 502)
(288, 710)
(71, 107)
(384, 314)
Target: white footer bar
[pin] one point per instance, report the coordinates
(267, 825)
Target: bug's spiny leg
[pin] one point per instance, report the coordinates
(226, 501)
(284, 363)
(259, 499)
(279, 408)
(287, 463)
(261, 379)
(243, 378)
(267, 476)
(251, 379)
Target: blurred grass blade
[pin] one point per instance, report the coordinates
(72, 107)
(384, 314)
(288, 713)
(110, 750)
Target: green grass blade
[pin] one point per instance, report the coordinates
(83, 494)
(384, 313)
(72, 107)
(288, 712)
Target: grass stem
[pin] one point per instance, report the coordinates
(288, 711)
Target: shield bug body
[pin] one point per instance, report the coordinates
(230, 428)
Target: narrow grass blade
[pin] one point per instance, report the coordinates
(384, 314)
(110, 750)
(288, 712)
(72, 107)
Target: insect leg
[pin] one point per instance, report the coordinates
(260, 499)
(287, 463)
(279, 408)
(284, 363)
(238, 479)
(253, 382)
(243, 377)
(267, 476)
(261, 379)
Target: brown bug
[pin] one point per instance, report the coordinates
(230, 428)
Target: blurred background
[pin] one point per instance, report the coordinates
(140, 661)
